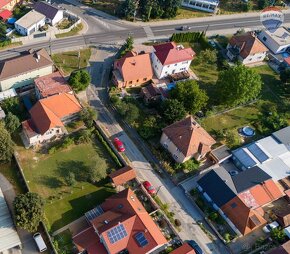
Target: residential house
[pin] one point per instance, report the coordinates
(20, 71)
(184, 249)
(48, 118)
(169, 58)
(123, 175)
(52, 12)
(151, 93)
(30, 23)
(202, 5)
(132, 70)
(239, 196)
(277, 41)
(51, 84)
(186, 139)
(246, 48)
(283, 249)
(8, 4)
(120, 225)
(5, 14)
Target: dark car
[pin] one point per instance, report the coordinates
(185, 28)
(119, 145)
(148, 186)
(195, 246)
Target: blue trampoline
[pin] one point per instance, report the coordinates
(170, 86)
(11, 21)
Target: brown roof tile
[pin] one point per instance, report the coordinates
(184, 249)
(24, 64)
(52, 84)
(189, 137)
(123, 175)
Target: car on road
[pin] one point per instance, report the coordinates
(149, 187)
(269, 227)
(185, 28)
(195, 246)
(119, 145)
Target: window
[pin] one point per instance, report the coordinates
(130, 82)
(137, 80)
(264, 38)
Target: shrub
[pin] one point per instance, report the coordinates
(52, 150)
(162, 223)
(213, 216)
(177, 222)
(227, 237)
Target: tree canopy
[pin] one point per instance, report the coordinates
(79, 80)
(149, 127)
(190, 95)
(173, 111)
(237, 85)
(28, 211)
(6, 145)
(88, 115)
(127, 9)
(11, 122)
(285, 76)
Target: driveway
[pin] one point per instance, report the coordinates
(27, 241)
(184, 210)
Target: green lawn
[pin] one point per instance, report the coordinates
(68, 61)
(45, 175)
(72, 32)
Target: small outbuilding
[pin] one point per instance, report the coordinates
(123, 175)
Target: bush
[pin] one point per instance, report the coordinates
(227, 237)
(162, 223)
(177, 222)
(67, 142)
(213, 216)
(189, 165)
(52, 150)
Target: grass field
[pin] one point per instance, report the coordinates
(68, 61)
(45, 175)
(72, 32)
(108, 6)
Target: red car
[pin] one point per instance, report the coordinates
(119, 145)
(149, 187)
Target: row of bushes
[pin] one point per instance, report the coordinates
(192, 37)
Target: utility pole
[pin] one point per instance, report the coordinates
(50, 46)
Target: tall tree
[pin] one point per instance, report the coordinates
(79, 80)
(132, 113)
(127, 9)
(88, 115)
(28, 211)
(170, 7)
(6, 145)
(238, 85)
(190, 95)
(149, 127)
(173, 111)
(11, 122)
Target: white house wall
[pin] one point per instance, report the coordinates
(271, 44)
(29, 30)
(58, 17)
(259, 57)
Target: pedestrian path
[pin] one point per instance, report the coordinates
(148, 32)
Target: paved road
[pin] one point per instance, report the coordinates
(168, 192)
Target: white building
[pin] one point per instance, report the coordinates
(277, 41)
(30, 23)
(169, 58)
(202, 5)
(52, 13)
(246, 48)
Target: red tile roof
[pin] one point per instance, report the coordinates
(189, 137)
(52, 84)
(5, 14)
(47, 113)
(248, 44)
(170, 53)
(3, 3)
(123, 175)
(125, 208)
(184, 249)
(133, 67)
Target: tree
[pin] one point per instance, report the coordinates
(208, 56)
(129, 43)
(232, 138)
(88, 115)
(84, 136)
(11, 122)
(127, 9)
(263, 4)
(285, 76)
(70, 179)
(190, 95)
(278, 234)
(172, 111)
(79, 80)
(275, 121)
(237, 85)
(6, 145)
(170, 8)
(132, 113)
(28, 211)
(149, 127)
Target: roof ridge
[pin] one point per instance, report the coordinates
(45, 107)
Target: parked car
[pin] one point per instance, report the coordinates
(269, 227)
(185, 28)
(119, 145)
(195, 246)
(149, 187)
(39, 242)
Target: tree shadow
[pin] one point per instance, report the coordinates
(79, 168)
(51, 182)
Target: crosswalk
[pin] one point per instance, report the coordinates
(148, 31)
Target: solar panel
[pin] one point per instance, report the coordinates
(141, 239)
(94, 213)
(117, 233)
(258, 152)
(244, 158)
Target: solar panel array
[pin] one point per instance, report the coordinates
(117, 233)
(94, 213)
(258, 152)
(244, 158)
(141, 239)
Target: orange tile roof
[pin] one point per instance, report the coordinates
(135, 219)
(47, 113)
(184, 249)
(52, 84)
(189, 137)
(133, 67)
(248, 44)
(123, 175)
(170, 53)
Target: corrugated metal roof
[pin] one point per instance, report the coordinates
(8, 235)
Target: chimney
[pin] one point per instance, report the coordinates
(106, 222)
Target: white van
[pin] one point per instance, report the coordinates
(39, 242)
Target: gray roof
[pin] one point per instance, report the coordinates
(283, 136)
(30, 19)
(46, 9)
(8, 235)
(221, 153)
